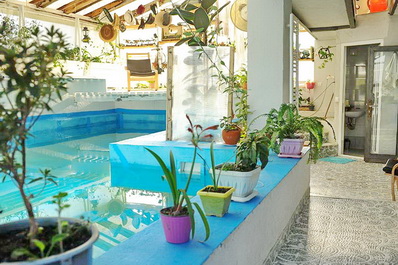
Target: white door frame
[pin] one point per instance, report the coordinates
(340, 110)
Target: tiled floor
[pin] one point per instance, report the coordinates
(349, 219)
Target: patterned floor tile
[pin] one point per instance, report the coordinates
(349, 219)
(355, 180)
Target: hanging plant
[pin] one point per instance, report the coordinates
(326, 55)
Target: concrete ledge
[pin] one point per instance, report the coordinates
(253, 240)
(245, 235)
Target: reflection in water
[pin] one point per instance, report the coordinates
(82, 168)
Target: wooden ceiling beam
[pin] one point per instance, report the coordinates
(95, 13)
(76, 5)
(46, 3)
(36, 2)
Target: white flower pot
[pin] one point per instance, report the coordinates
(243, 182)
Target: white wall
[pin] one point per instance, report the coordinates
(268, 54)
(371, 28)
(253, 240)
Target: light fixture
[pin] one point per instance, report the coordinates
(86, 37)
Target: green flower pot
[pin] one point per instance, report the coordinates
(215, 203)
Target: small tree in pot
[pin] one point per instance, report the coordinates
(28, 83)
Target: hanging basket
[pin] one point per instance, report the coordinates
(324, 53)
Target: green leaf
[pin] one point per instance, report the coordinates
(190, 7)
(183, 41)
(201, 19)
(213, 166)
(40, 245)
(58, 238)
(171, 179)
(34, 180)
(204, 220)
(16, 253)
(207, 3)
(185, 15)
(190, 211)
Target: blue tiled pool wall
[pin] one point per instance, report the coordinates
(55, 128)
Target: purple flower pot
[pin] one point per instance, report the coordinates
(176, 228)
(291, 146)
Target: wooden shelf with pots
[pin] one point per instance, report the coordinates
(149, 46)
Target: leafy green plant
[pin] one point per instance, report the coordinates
(287, 123)
(61, 206)
(228, 124)
(200, 17)
(181, 201)
(250, 149)
(326, 55)
(28, 83)
(46, 249)
(242, 108)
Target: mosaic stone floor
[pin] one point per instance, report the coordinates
(349, 218)
(354, 180)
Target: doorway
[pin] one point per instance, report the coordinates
(382, 104)
(354, 100)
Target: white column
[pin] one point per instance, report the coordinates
(268, 55)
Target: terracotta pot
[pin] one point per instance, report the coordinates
(231, 137)
(310, 85)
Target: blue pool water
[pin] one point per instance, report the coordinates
(82, 168)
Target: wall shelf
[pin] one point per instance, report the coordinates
(149, 46)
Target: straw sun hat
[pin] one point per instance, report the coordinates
(239, 14)
(108, 32)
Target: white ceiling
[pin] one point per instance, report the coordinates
(321, 13)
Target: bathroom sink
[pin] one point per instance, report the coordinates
(354, 113)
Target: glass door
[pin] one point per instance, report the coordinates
(382, 104)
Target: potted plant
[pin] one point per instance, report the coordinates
(309, 84)
(152, 85)
(326, 55)
(200, 17)
(29, 82)
(178, 220)
(287, 127)
(231, 131)
(243, 174)
(215, 198)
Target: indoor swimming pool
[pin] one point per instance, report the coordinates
(82, 169)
